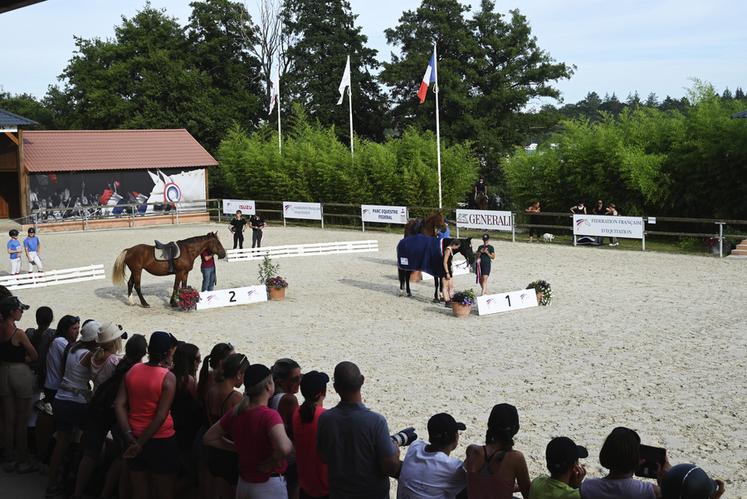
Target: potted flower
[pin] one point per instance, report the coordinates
(543, 290)
(462, 301)
(268, 275)
(188, 298)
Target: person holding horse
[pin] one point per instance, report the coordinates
(451, 245)
(237, 226)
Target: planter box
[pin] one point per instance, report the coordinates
(460, 310)
(277, 294)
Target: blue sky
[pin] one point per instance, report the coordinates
(621, 46)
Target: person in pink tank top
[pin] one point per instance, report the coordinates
(143, 408)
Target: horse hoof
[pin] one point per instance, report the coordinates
(436, 300)
(409, 295)
(145, 305)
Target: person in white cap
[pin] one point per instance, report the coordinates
(70, 404)
(108, 352)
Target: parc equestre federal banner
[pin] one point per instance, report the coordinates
(231, 206)
(384, 214)
(608, 226)
(485, 220)
(104, 192)
(306, 211)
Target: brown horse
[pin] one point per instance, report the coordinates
(429, 227)
(481, 200)
(142, 257)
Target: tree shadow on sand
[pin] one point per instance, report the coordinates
(381, 261)
(119, 293)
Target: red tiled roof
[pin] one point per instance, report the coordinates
(85, 150)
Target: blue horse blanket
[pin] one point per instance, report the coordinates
(421, 252)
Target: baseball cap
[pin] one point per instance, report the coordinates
(110, 332)
(89, 331)
(313, 383)
(10, 304)
(687, 481)
(255, 373)
(504, 418)
(31, 230)
(161, 342)
(13, 233)
(442, 427)
(562, 453)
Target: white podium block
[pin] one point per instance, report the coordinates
(230, 297)
(505, 302)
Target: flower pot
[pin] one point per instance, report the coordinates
(461, 310)
(416, 276)
(277, 294)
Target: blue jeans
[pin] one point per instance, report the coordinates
(208, 279)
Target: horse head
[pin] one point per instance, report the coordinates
(437, 221)
(465, 248)
(215, 246)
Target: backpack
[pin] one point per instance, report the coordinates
(104, 396)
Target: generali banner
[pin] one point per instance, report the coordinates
(485, 220)
(384, 214)
(600, 225)
(306, 211)
(231, 206)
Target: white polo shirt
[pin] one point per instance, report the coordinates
(430, 475)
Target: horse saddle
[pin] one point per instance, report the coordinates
(167, 252)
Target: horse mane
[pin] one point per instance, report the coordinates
(196, 239)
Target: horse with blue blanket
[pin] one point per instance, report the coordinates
(426, 254)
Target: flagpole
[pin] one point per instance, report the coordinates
(280, 135)
(438, 126)
(350, 108)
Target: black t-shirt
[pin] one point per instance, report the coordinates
(578, 210)
(238, 224)
(256, 222)
(480, 187)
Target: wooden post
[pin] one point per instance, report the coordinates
(23, 179)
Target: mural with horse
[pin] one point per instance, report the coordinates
(163, 259)
(426, 253)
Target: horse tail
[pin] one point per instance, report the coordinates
(118, 271)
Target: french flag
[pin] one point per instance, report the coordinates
(428, 78)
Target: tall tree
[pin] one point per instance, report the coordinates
(143, 78)
(221, 37)
(321, 34)
(489, 68)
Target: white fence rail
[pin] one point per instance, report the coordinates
(293, 250)
(53, 277)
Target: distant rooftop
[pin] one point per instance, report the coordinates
(6, 5)
(10, 119)
(87, 150)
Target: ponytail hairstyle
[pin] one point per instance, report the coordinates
(251, 392)
(504, 437)
(308, 408)
(218, 354)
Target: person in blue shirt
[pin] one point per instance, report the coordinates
(14, 250)
(32, 246)
(445, 232)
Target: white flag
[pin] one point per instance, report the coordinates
(274, 91)
(345, 81)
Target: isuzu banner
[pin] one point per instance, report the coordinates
(608, 226)
(485, 220)
(306, 211)
(384, 214)
(231, 206)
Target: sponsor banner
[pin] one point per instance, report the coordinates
(231, 206)
(306, 211)
(231, 297)
(505, 302)
(485, 220)
(384, 214)
(608, 226)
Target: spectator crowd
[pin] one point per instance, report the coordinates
(105, 413)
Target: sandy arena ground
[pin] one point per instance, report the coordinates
(652, 341)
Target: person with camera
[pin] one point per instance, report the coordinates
(428, 471)
(495, 470)
(354, 442)
(621, 455)
(486, 253)
(566, 473)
